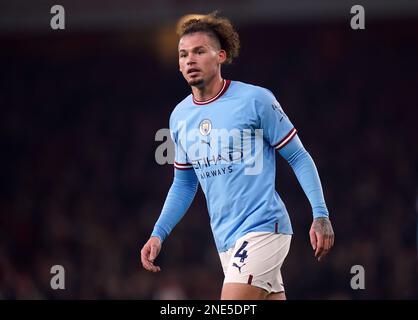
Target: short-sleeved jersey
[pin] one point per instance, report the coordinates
(230, 142)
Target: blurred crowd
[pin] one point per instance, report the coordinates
(80, 186)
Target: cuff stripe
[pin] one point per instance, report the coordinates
(286, 139)
(183, 166)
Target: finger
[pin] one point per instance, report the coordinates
(322, 255)
(327, 243)
(146, 260)
(154, 253)
(312, 236)
(153, 268)
(147, 266)
(330, 242)
(319, 245)
(145, 254)
(150, 266)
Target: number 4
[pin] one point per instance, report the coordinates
(241, 253)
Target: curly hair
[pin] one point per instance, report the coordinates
(219, 28)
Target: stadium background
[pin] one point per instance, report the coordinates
(80, 107)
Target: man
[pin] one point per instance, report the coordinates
(249, 221)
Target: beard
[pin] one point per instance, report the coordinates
(196, 82)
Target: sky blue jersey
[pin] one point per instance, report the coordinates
(230, 142)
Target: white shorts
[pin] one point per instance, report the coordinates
(256, 259)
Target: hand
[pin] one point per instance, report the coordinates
(149, 252)
(322, 237)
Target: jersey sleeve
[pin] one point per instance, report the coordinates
(307, 174)
(179, 198)
(278, 130)
(177, 130)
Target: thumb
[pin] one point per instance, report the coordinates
(312, 236)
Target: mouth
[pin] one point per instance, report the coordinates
(192, 70)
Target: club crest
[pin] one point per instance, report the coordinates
(205, 127)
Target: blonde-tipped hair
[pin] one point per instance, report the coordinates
(219, 28)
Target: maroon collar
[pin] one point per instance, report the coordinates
(218, 95)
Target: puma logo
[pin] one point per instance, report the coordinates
(239, 267)
(206, 142)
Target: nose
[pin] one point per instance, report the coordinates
(190, 59)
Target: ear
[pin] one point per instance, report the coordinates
(221, 56)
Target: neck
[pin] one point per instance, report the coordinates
(208, 90)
